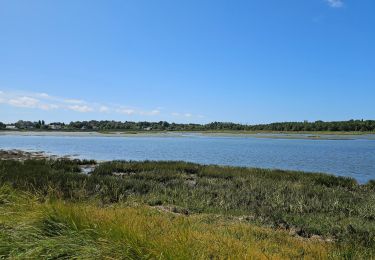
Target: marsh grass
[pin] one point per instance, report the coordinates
(66, 230)
(209, 198)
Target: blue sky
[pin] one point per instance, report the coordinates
(250, 61)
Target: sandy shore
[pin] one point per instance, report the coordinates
(20, 155)
(84, 134)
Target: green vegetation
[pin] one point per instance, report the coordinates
(32, 229)
(318, 126)
(181, 210)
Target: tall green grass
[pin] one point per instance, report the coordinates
(31, 229)
(305, 204)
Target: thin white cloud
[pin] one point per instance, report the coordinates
(41, 101)
(74, 101)
(335, 3)
(186, 115)
(126, 111)
(24, 101)
(48, 106)
(150, 113)
(2, 100)
(43, 95)
(155, 112)
(132, 111)
(82, 109)
(103, 109)
(48, 102)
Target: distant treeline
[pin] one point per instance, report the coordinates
(351, 125)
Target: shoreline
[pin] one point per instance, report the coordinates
(23, 155)
(262, 135)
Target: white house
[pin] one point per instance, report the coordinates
(55, 127)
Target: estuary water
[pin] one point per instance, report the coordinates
(354, 158)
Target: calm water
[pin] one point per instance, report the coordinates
(354, 158)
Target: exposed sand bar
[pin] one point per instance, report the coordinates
(20, 155)
(88, 134)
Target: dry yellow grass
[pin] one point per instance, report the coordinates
(87, 230)
(167, 235)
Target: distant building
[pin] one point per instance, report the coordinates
(147, 128)
(55, 127)
(11, 127)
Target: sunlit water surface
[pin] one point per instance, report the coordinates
(354, 158)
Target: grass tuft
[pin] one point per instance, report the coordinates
(181, 210)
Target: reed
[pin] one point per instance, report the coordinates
(305, 205)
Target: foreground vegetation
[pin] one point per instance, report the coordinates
(65, 230)
(180, 210)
